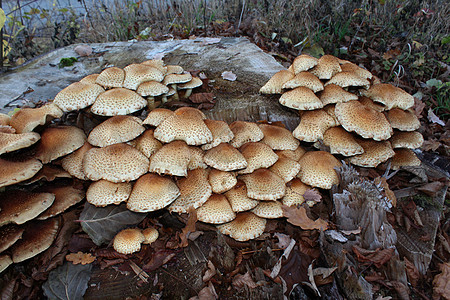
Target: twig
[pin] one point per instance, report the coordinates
(21, 6)
(240, 17)
(29, 90)
(139, 272)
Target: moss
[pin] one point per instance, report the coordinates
(67, 62)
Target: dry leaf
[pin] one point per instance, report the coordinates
(283, 240)
(441, 283)
(418, 107)
(239, 281)
(312, 195)
(161, 257)
(323, 276)
(83, 50)
(431, 144)
(210, 272)
(202, 98)
(297, 216)
(387, 191)
(431, 188)
(401, 289)
(376, 257)
(336, 236)
(412, 272)
(228, 75)
(190, 227)
(433, 118)
(80, 258)
(393, 53)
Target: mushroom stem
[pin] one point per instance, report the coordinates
(150, 102)
(175, 96)
(188, 93)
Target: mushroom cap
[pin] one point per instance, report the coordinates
(157, 115)
(257, 155)
(304, 62)
(331, 110)
(73, 163)
(37, 237)
(194, 191)
(278, 138)
(151, 234)
(118, 101)
(352, 68)
(9, 234)
(177, 78)
(14, 141)
(111, 77)
(65, 197)
(327, 66)
(156, 63)
(292, 154)
(4, 119)
(406, 139)
(341, 142)
(146, 143)
(237, 196)
(374, 153)
(403, 120)
(192, 84)
(333, 93)
(152, 192)
(152, 88)
(305, 79)
(196, 160)
(91, 79)
(172, 159)
(102, 193)
(404, 157)
(174, 69)
(5, 262)
(245, 132)
(220, 131)
(115, 163)
(317, 169)
(225, 157)
(117, 129)
(17, 171)
(49, 173)
(286, 168)
(59, 141)
(369, 103)
(244, 227)
(313, 125)
(263, 184)
(128, 240)
(268, 209)
(190, 112)
(135, 74)
(390, 96)
(301, 98)
(216, 210)
(78, 95)
(346, 79)
(27, 119)
(363, 120)
(275, 84)
(294, 192)
(221, 181)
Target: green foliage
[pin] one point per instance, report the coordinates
(67, 62)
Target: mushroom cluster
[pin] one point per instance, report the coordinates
(346, 109)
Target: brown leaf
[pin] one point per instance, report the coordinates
(387, 191)
(412, 272)
(283, 240)
(190, 227)
(239, 281)
(431, 188)
(433, 118)
(210, 272)
(312, 195)
(431, 144)
(160, 258)
(401, 289)
(393, 53)
(207, 293)
(202, 98)
(295, 269)
(418, 107)
(323, 276)
(80, 258)
(297, 216)
(441, 282)
(376, 257)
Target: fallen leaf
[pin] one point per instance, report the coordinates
(324, 272)
(190, 227)
(312, 195)
(431, 144)
(311, 282)
(80, 258)
(161, 257)
(418, 107)
(239, 281)
(412, 272)
(401, 289)
(297, 216)
(393, 53)
(431, 188)
(228, 75)
(295, 269)
(336, 236)
(202, 97)
(387, 191)
(376, 257)
(276, 269)
(206, 293)
(283, 240)
(210, 272)
(433, 118)
(83, 50)
(349, 232)
(441, 282)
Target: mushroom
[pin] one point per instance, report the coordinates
(257, 155)
(305, 79)
(404, 157)
(221, 181)
(117, 129)
(189, 86)
(151, 89)
(27, 119)
(102, 193)
(220, 131)
(341, 142)
(17, 171)
(390, 96)
(73, 163)
(286, 168)
(346, 79)
(374, 153)
(292, 154)
(352, 68)
(65, 197)
(146, 143)
(135, 74)
(157, 64)
(317, 169)
(313, 125)
(118, 101)
(157, 115)
(9, 234)
(239, 201)
(112, 77)
(275, 84)
(91, 79)
(14, 141)
(403, 120)
(327, 66)
(216, 210)
(278, 138)
(172, 159)
(268, 209)
(301, 98)
(151, 234)
(173, 79)
(263, 184)
(196, 160)
(225, 157)
(5, 262)
(245, 132)
(406, 139)
(77, 96)
(128, 241)
(294, 192)
(333, 93)
(304, 62)
(244, 227)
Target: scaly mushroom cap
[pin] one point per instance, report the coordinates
(73, 163)
(118, 129)
(27, 119)
(17, 171)
(257, 155)
(216, 210)
(374, 153)
(37, 237)
(292, 154)
(152, 192)
(245, 132)
(152, 89)
(78, 95)
(59, 141)
(268, 209)
(112, 77)
(346, 79)
(157, 115)
(14, 141)
(275, 84)
(352, 68)
(369, 103)
(331, 110)
(156, 63)
(4, 119)
(304, 62)
(313, 125)
(238, 198)
(341, 142)
(221, 181)
(135, 74)
(304, 79)
(390, 96)
(174, 69)
(194, 191)
(49, 173)
(91, 79)
(118, 101)
(294, 192)
(5, 262)
(172, 159)
(408, 139)
(301, 98)
(192, 84)
(327, 66)
(151, 234)
(177, 78)
(366, 122)
(220, 131)
(245, 227)
(286, 168)
(196, 160)
(333, 93)
(102, 193)
(317, 169)
(404, 157)
(9, 234)
(403, 120)
(190, 112)
(146, 143)
(225, 157)
(115, 163)
(128, 241)
(278, 138)
(263, 184)
(65, 197)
